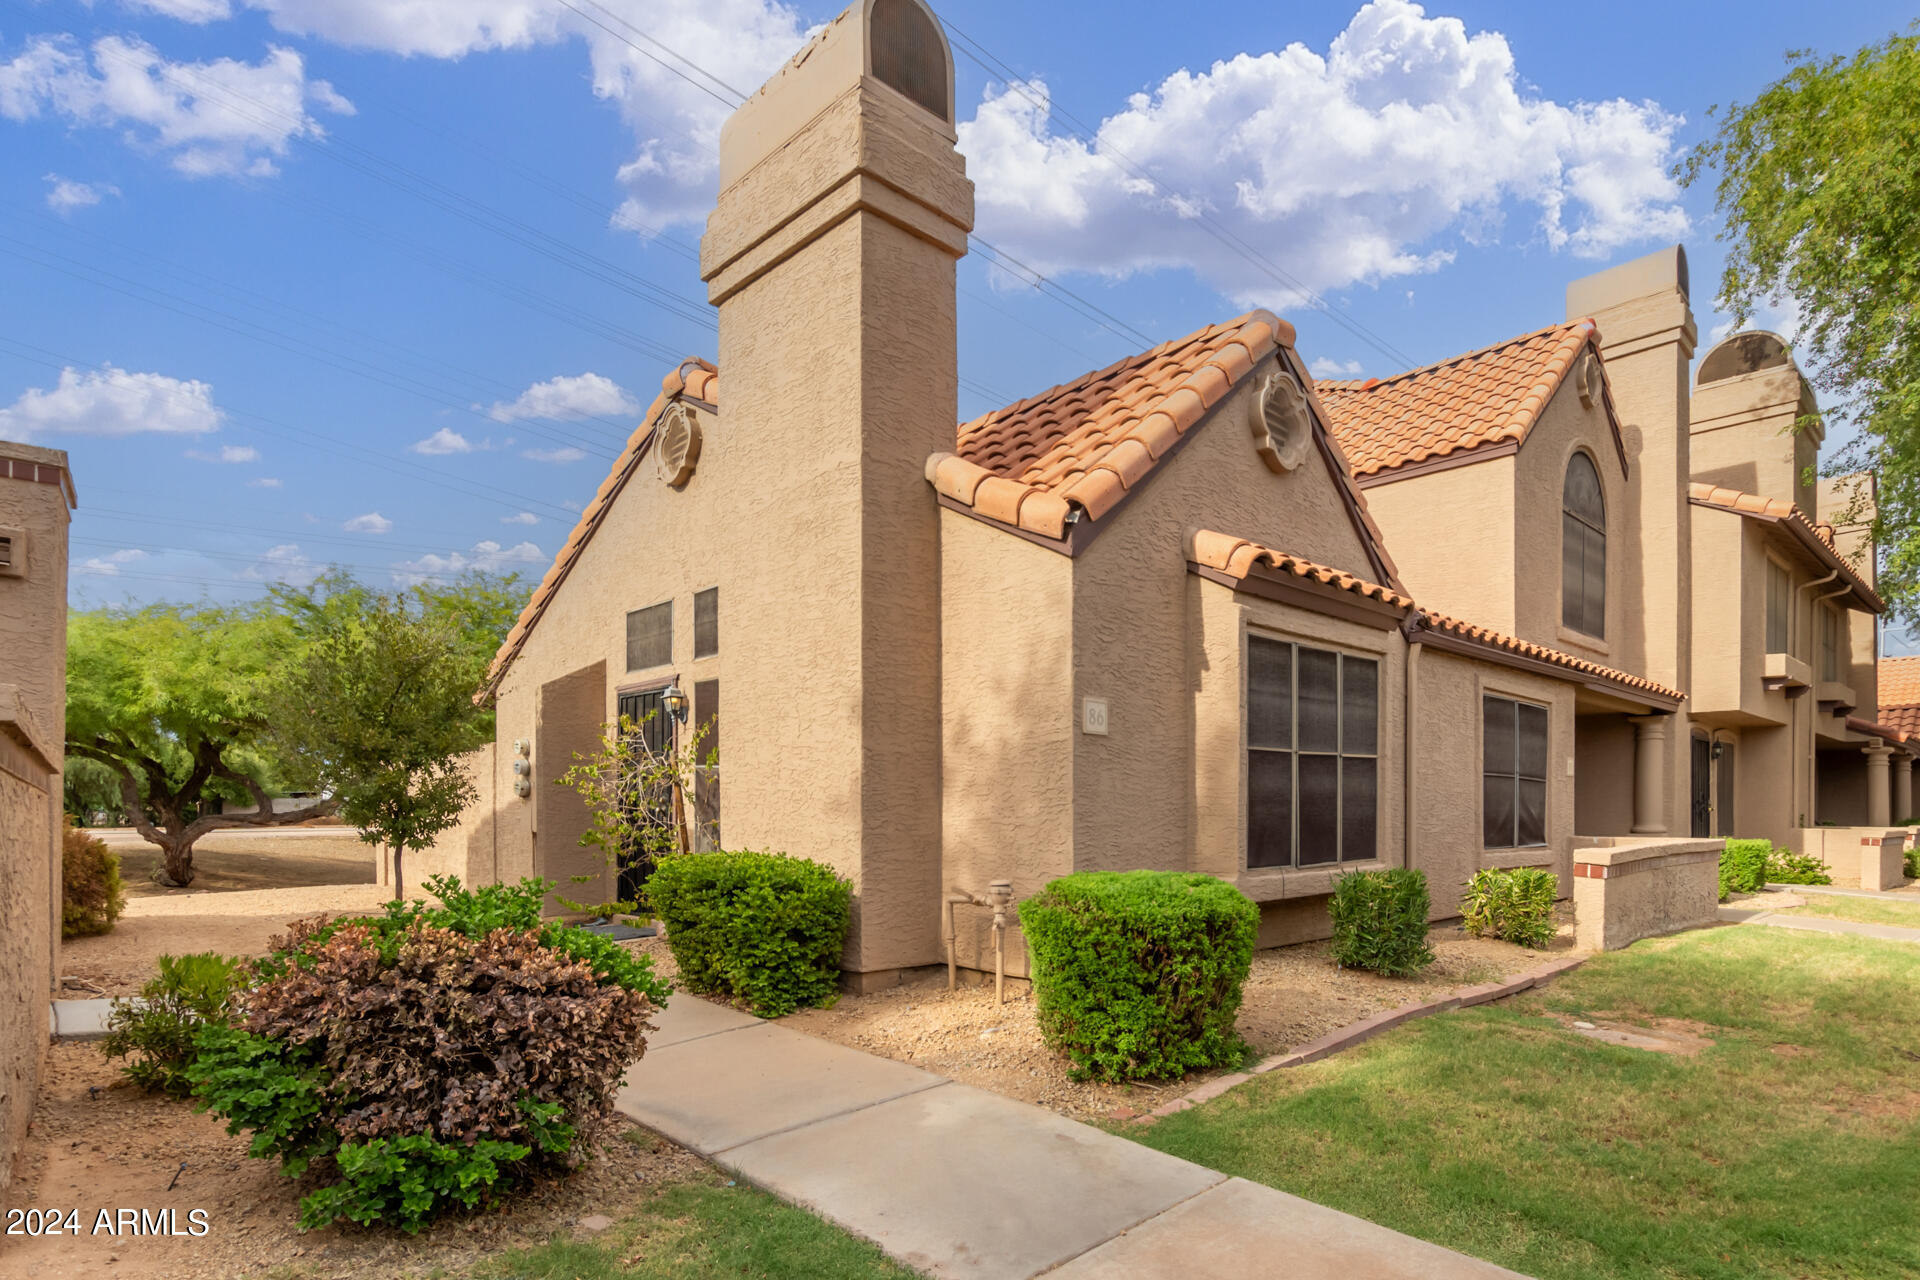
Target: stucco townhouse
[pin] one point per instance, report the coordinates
(1144, 619)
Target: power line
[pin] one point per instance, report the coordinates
(1017, 83)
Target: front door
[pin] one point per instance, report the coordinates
(1702, 788)
(1723, 792)
(653, 730)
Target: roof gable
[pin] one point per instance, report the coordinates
(1464, 408)
(1046, 466)
(1815, 539)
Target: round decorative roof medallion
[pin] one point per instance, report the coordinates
(678, 446)
(1282, 421)
(1587, 376)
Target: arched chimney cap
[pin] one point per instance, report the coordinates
(1748, 351)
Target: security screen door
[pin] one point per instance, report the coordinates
(654, 728)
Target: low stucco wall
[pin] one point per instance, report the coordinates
(1876, 855)
(26, 843)
(466, 850)
(1624, 890)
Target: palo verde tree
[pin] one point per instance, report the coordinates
(380, 709)
(173, 700)
(1819, 187)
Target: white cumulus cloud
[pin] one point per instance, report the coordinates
(228, 453)
(445, 440)
(566, 453)
(108, 566)
(1357, 165)
(1325, 367)
(64, 195)
(520, 517)
(112, 402)
(372, 522)
(196, 11)
(264, 482)
(222, 117)
(564, 399)
(285, 563)
(487, 556)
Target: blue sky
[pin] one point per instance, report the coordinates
(300, 282)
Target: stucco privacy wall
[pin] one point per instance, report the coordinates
(1624, 890)
(1008, 720)
(466, 849)
(26, 934)
(1873, 854)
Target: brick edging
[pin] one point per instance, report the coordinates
(1365, 1029)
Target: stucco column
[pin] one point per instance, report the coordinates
(1902, 789)
(1879, 811)
(1650, 736)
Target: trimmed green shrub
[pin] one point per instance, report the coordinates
(1743, 866)
(1380, 921)
(760, 928)
(1912, 860)
(157, 1030)
(418, 1060)
(92, 894)
(1137, 974)
(1785, 866)
(1514, 906)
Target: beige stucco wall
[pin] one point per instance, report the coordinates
(467, 849)
(1565, 427)
(34, 502)
(1631, 889)
(1604, 746)
(1008, 720)
(1451, 534)
(1872, 857)
(1744, 435)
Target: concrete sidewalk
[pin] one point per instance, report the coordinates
(1785, 919)
(954, 1181)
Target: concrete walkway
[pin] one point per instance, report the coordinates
(954, 1181)
(1911, 891)
(1821, 924)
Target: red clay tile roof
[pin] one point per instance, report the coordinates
(1486, 397)
(1088, 443)
(1899, 682)
(1239, 558)
(1885, 732)
(1236, 557)
(694, 378)
(1905, 719)
(1795, 522)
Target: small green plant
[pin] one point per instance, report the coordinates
(1514, 905)
(1137, 974)
(1743, 866)
(92, 894)
(156, 1031)
(1785, 866)
(762, 928)
(1912, 863)
(1380, 921)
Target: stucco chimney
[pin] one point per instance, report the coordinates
(1747, 432)
(843, 209)
(1647, 338)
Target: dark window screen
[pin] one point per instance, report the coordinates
(706, 622)
(1583, 549)
(1312, 733)
(706, 784)
(650, 636)
(1513, 774)
(908, 54)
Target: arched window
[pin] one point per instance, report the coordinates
(1583, 549)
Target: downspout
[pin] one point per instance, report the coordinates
(1410, 631)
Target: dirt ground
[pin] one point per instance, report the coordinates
(242, 860)
(178, 921)
(98, 1143)
(1293, 995)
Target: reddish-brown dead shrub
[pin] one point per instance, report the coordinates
(426, 1031)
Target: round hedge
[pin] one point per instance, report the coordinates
(1137, 974)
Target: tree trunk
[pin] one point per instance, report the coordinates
(399, 888)
(176, 863)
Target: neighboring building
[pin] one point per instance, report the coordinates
(1144, 619)
(1565, 487)
(36, 494)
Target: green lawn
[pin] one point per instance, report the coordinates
(1900, 911)
(702, 1230)
(1791, 1147)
